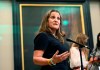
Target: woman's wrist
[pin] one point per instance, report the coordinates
(50, 62)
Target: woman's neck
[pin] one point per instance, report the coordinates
(54, 33)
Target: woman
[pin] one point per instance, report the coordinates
(95, 55)
(75, 62)
(49, 50)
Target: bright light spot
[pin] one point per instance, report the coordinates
(65, 22)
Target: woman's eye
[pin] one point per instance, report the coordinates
(52, 17)
(58, 18)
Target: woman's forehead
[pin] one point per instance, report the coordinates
(55, 13)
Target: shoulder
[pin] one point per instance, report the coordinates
(42, 35)
(73, 48)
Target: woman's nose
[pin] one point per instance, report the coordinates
(56, 19)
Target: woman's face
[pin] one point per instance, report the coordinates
(54, 21)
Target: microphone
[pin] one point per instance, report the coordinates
(77, 43)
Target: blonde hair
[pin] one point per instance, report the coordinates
(82, 39)
(44, 26)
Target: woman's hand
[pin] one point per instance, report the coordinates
(59, 58)
(95, 58)
(91, 60)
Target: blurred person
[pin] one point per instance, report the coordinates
(75, 61)
(95, 56)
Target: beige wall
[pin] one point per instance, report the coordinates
(6, 40)
(95, 18)
(6, 36)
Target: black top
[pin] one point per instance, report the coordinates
(48, 43)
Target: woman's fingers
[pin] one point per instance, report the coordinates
(65, 56)
(95, 58)
(58, 58)
(56, 53)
